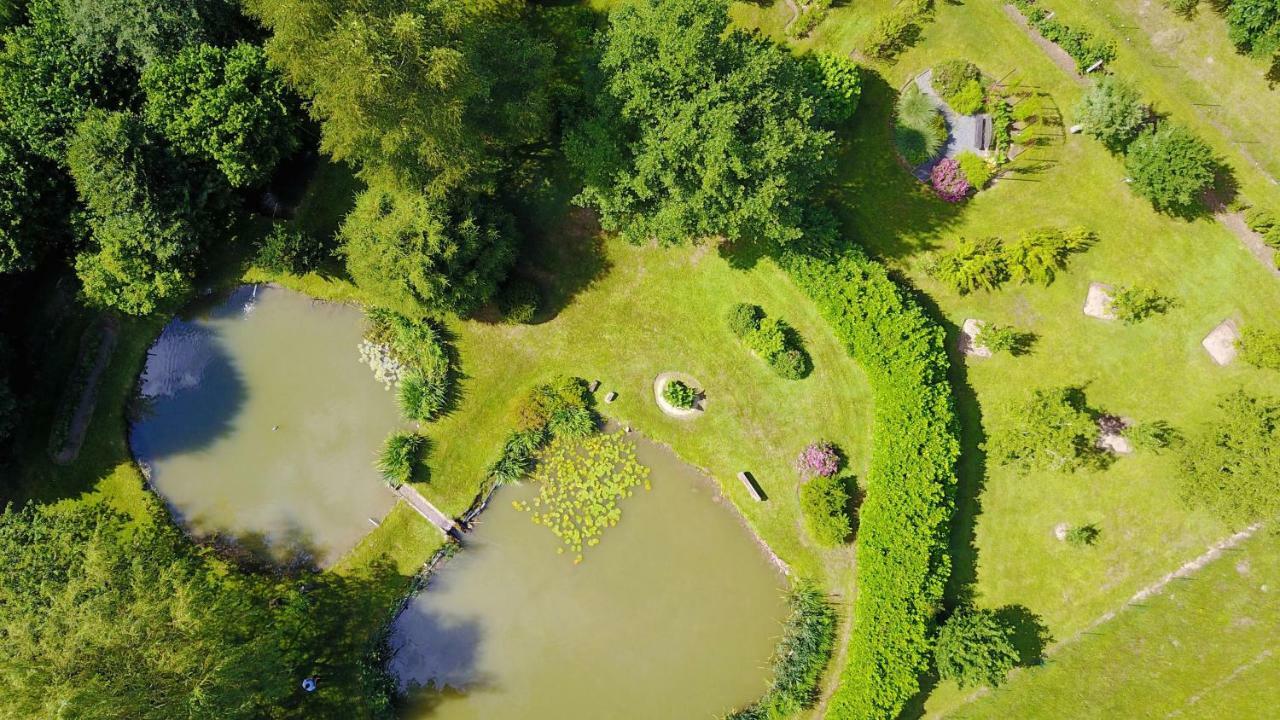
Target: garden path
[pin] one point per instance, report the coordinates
(88, 400)
(424, 507)
(961, 129)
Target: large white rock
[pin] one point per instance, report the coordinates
(1221, 343)
(1097, 304)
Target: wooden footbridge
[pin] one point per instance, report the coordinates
(424, 507)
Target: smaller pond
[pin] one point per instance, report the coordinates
(673, 615)
(262, 423)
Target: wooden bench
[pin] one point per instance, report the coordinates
(752, 487)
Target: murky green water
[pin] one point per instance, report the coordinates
(674, 615)
(263, 424)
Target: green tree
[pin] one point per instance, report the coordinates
(1112, 111)
(1254, 26)
(28, 188)
(839, 84)
(141, 231)
(137, 32)
(1261, 348)
(1171, 167)
(699, 131)
(975, 648)
(1049, 430)
(1233, 467)
(222, 104)
(419, 255)
(823, 501)
(436, 91)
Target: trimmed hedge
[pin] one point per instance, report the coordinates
(1081, 45)
(903, 529)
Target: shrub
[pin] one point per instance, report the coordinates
(824, 502)
(1170, 166)
(1082, 46)
(972, 265)
(818, 459)
(970, 99)
(1259, 220)
(792, 364)
(1049, 430)
(1005, 339)
(948, 182)
(975, 648)
(679, 395)
(951, 76)
(559, 408)
(744, 319)
(1232, 468)
(1112, 111)
(285, 250)
(975, 169)
(841, 83)
(919, 131)
(897, 29)
(1155, 436)
(808, 638)
(400, 456)
(422, 397)
(1083, 535)
(1001, 129)
(808, 17)
(518, 300)
(1137, 303)
(1261, 348)
(1254, 26)
(1037, 255)
(902, 552)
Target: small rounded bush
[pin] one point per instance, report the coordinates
(401, 453)
(744, 319)
(948, 182)
(518, 301)
(292, 251)
(950, 77)
(422, 396)
(821, 459)
(679, 395)
(975, 169)
(1170, 166)
(969, 100)
(823, 501)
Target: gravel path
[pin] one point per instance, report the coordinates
(960, 128)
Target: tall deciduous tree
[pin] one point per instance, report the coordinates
(1049, 430)
(140, 220)
(435, 91)
(222, 104)
(1254, 26)
(420, 255)
(137, 32)
(699, 131)
(28, 184)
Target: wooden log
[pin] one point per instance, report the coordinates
(750, 483)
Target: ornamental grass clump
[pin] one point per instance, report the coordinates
(581, 482)
(401, 453)
(948, 181)
(818, 459)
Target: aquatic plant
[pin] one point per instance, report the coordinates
(386, 369)
(581, 482)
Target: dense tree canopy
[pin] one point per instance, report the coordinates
(436, 91)
(1171, 167)
(1112, 111)
(137, 32)
(26, 184)
(1233, 467)
(141, 222)
(698, 131)
(222, 104)
(975, 648)
(1254, 26)
(419, 255)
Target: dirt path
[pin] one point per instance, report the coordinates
(424, 507)
(88, 401)
(1252, 241)
(1055, 53)
(1187, 569)
(795, 15)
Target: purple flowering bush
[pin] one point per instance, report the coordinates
(948, 181)
(820, 459)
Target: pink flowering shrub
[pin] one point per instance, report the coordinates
(947, 180)
(820, 459)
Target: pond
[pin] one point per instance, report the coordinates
(673, 615)
(260, 422)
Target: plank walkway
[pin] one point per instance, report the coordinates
(424, 507)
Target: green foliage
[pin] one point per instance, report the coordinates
(1081, 45)
(1170, 166)
(222, 104)
(744, 319)
(1133, 304)
(1037, 255)
(1155, 436)
(580, 482)
(1261, 348)
(1232, 467)
(421, 346)
(808, 638)
(810, 15)
(289, 250)
(698, 131)
(402, 453)
(1083, 535)
(679, 395)
(1049, 430)
(897, 29)
(1254, 26)
(422, 397)
(27, 229)
(138, 32)
(107, 616)
(421, 256)
(1005, 339)
(824, 502)
(975, 168)
(972, 265)
(518, 300)
(560, 408)
(1112, 111)
(951, 76)
(438, 93)
(142, 230)
(975, 648)
(840, 81)
(904, 525)
(1265, 224)
(970, 99)
(919, 132)
(1185, 8)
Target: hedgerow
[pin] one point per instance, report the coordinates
(1081, 45)
(902, 550)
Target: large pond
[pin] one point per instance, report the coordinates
(673, 615)
(261, 423)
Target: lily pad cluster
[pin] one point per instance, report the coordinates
(582, 482)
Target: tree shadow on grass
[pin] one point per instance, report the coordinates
(1030, 634)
